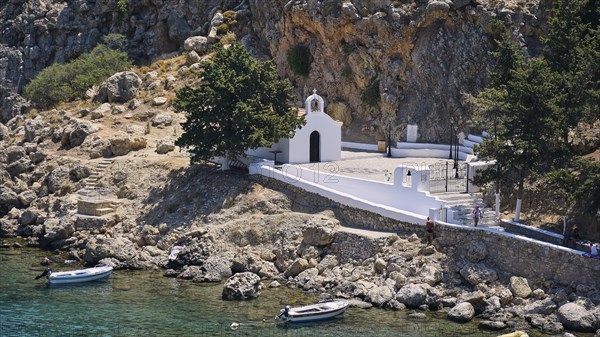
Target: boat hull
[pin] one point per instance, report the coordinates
(312, 313)
(80, 276)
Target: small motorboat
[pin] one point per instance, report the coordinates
(76, 276)
(314, 312)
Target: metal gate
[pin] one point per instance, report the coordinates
(447, 176)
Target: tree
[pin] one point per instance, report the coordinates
(572, 49)
(240, 104)
(526, 106)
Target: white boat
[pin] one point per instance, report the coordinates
(313, 312)
(77, 276)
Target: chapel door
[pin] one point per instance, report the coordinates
(315, 145)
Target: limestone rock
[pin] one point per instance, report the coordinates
(215, 269)
(28, 217)
(430, 275)
(14, 153)
(379, 295)
(478, 273)
(97, 147)
(27, 197)
(76, 132)
(298, 266)
(579, 318)
(58, 179)
(4, 132)
(162, 119)
(541, 307)
(101, 111)
(165, 145)
(380, 265)
(242, 286)
(436, 10)
(320, 234)
(156, 101)
(519, 287)
(199, 44)
(462, 312)
(412, 295)
(492, 325)
(101, 247)
(119, 88)
(122, 144)
(55, 229)
(8, 228)
(349, 11)
(34, 129)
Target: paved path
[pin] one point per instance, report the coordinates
(370, 165)
(371, 234)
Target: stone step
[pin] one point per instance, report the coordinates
(104, 211)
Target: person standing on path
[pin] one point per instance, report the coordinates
(429, 230)
(476, 215)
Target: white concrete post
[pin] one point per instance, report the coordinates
(433, 214)
(518, 210)
(497, 205)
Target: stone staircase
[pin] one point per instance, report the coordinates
(91, 182)
(463, 204)
(94, 200)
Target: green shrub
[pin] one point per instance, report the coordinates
(66, 82)
(222, 29)
(371, 95)
(299, 59)
(122, 6)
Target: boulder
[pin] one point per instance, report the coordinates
(101, 111)
(320, 234)
(327, 262)
(199, 44)
(546, 323)
(492, 325)
(28, 217)
(242, 286)
(541, 307)
(430, 275)
(457, 4)
(55, 229)
(190, 272)
(120, 87)
(379, 295)
(577, 317)
(519, 287)
(58, 179)
(35, 129)
(20, 166)
(98, 147)
(14, 153)
(157, 101)
(162, 119)
(436, 10)
(4, 132)
(8, 200)
(412, 295)
(8, 228)
(478, 273)
(121, 144)
(298, 266)
(462, 312)
(165, 145)
(76, 132)
(215, 269)
(380, 265)
(100, 247)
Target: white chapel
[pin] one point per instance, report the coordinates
(319, 140)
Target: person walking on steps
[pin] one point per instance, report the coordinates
(429, 230)
(476, 215)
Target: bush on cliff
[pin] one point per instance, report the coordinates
(66, 82)
(299, 59)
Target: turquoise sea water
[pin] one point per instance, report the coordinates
(143, 303)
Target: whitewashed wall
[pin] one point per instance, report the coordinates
(405, 197)
(330, 132)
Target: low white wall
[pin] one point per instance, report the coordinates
(430, 146)
(425, 153)
(359, 146)
(404, 197)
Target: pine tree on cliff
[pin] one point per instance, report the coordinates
(240, 104)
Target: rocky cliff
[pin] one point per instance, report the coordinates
(427, 54)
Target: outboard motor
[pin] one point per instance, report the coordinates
(284, 311)
(46, 272)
